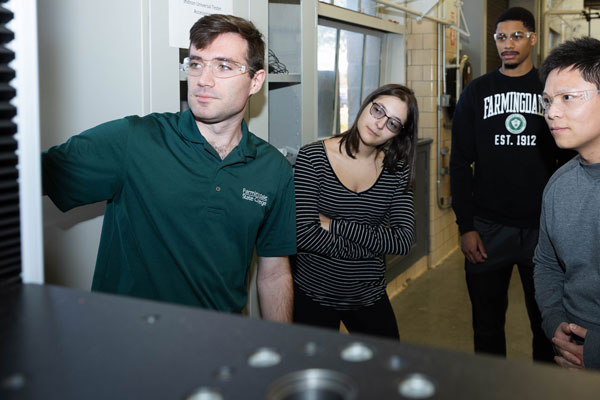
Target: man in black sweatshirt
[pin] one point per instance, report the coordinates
(502, 157)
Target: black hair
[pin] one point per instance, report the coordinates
(403, 146)
(518, 14)
(582, 54)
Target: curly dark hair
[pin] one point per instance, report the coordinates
(518, 14)
(403, 146)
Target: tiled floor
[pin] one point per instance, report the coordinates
(435, 310)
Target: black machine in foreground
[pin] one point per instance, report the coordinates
(58, 343)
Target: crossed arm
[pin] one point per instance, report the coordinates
(345, 239)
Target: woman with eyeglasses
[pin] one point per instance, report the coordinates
(354, 205)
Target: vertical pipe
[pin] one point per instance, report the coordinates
(440, 73)
(441, 89)
(458, 71)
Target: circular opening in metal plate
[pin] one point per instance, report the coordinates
(264, 357)
(311, 349)
(356, 352)
(395, 363)
(312, 384)
(223, 374)
(205, 393)
(151, 318)
(416, 386)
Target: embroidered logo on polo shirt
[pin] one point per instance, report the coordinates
(256, 197)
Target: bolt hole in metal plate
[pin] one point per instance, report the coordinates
(151, 318)
(416, 386)
(224, 373)
(395, 363)
(356, 352)
(264, 357)
(311, 349)
(205, 393)
(313, 384)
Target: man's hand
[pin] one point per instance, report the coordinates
(472, 247)
(570, 354)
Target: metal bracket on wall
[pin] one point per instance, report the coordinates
(420, 15)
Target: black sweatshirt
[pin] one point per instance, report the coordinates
(502, 151)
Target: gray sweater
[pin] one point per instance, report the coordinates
(567, 257)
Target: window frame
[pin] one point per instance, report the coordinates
(365, 31)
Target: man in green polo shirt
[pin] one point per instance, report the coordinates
(189, 195)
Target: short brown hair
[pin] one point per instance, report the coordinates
(207, 28)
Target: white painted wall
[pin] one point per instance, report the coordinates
(474, 45)
(99, 61)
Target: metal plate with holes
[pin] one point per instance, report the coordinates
(58, 343)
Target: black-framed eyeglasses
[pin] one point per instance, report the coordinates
(377, 111)
(515, 36)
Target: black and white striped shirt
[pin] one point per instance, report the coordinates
(344, 267)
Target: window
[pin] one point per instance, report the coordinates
(349, 60)
(365, 6)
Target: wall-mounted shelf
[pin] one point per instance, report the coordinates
(285, 89)
(285, 78)
(292, 95)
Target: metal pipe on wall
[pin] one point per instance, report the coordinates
(441, 90)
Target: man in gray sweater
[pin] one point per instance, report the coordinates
(567, 257)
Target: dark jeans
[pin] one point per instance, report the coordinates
(377, 320)
(488, 287)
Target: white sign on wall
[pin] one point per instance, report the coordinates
(184, 13)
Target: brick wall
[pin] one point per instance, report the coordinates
(422, 61)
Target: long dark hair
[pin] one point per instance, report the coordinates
(403, 146)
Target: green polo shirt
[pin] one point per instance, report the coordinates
(180, 224)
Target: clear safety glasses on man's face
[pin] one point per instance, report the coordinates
(515, 36)
(568, 100)
(220, 68)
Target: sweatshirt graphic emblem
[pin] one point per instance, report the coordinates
(515, 123)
